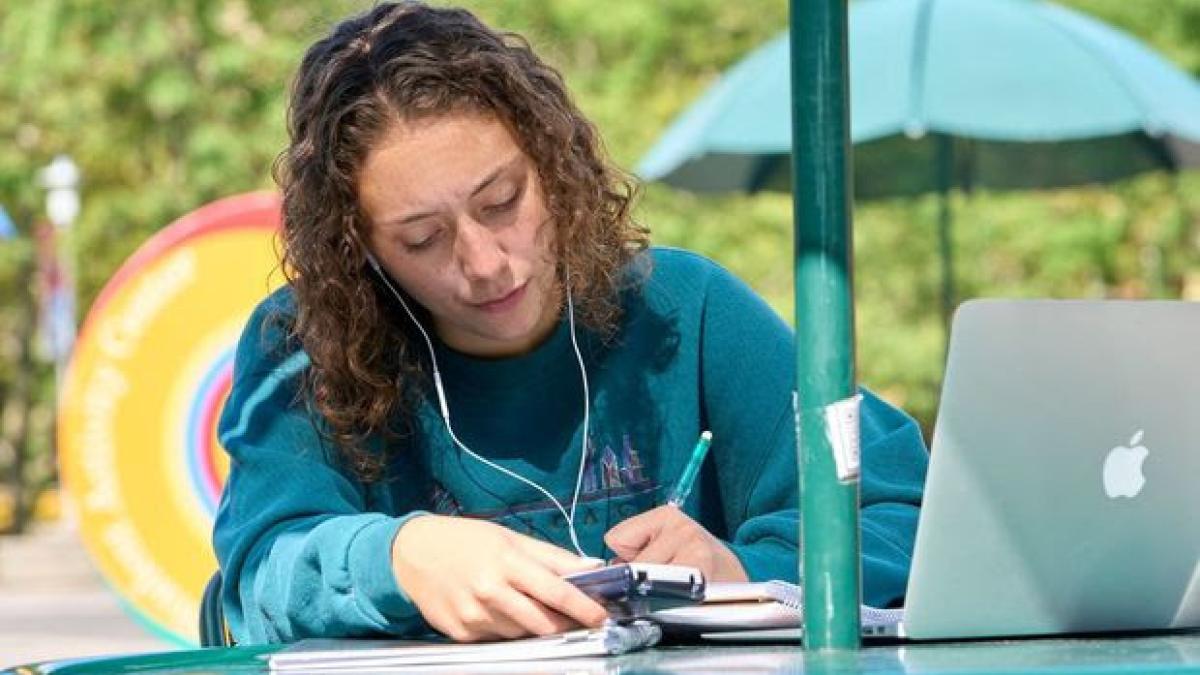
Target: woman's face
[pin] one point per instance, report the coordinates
(456, 215)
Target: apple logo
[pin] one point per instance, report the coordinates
(1123, 469)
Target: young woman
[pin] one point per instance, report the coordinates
(479, 377)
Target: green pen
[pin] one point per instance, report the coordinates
(684, 487)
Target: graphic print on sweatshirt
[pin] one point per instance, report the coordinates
(615, 486)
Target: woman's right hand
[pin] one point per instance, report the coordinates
(474, 580)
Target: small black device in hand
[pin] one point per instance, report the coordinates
(632, 590)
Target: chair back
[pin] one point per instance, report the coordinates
(213, 630)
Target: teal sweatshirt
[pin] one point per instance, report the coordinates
(305, 547)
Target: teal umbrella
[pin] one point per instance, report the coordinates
(1005, 94)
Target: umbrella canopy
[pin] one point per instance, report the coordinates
(1001, 73)
(7, 229)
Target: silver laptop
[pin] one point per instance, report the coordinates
(1064, 484)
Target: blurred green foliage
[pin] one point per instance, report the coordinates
(169, 104)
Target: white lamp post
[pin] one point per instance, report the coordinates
(60, 178)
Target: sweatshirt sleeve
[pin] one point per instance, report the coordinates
(748, 374)
(300, 552)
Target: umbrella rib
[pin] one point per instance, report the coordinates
(915, 127)
(1149, 123)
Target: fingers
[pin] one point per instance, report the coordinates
(474, 581)
(524, 594)
(510, 613)
(541, 578)
(667, 535)
(474, 621)
(561, 597)
(507, 604)
(629, 537)
(672, 545)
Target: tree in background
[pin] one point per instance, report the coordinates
(169, 105)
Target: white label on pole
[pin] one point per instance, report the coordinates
(842, 430)
(796, 421)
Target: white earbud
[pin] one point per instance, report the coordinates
(445, 407)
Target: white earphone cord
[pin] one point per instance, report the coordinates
(445, 407)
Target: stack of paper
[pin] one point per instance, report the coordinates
(346, 656)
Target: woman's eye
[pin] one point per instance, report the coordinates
(505, 205)
(421, 244)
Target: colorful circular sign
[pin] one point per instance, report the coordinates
(152, 367)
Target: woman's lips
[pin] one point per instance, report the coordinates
(505, 303)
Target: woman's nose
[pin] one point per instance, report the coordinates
(479, 253)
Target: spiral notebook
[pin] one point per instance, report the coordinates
(757, 610)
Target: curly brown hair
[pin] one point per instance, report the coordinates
(405, 61)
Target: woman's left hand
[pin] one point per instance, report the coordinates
(667, 535)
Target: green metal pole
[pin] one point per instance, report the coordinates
(821, 193)
(945, 164)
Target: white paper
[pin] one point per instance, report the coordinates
(842, 430)
(797, 422)
(346, 656)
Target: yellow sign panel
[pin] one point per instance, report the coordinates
(151, 370)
